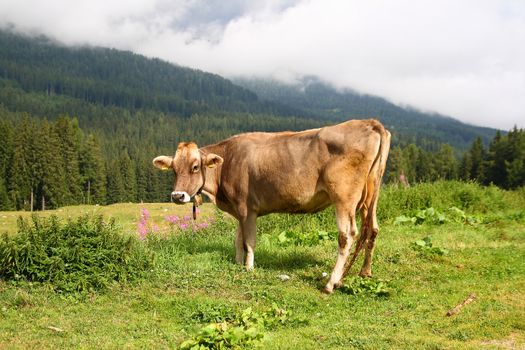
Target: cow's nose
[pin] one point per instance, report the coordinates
(180, 197)
(177, 197)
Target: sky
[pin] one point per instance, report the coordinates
(464, 59)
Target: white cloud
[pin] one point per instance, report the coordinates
(461, 58)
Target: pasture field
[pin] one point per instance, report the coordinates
(438, 244)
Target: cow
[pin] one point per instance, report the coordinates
(258, 173)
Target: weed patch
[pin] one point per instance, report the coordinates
(366, 286)
(426, 248)
(435, 217)
(82, 255)
(214, 314)
(244, 330)
(224, 336)
(308, 238)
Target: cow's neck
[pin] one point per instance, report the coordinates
(211, 186)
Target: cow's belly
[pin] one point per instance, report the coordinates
(285, 202)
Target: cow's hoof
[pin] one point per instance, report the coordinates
(367, 274)
(328, 289)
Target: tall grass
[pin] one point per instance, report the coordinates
(470, 197)
(76, 256)
(395, 201)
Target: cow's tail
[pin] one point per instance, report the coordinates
(378, 166)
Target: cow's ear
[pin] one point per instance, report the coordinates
(212, 160)
(163, 162)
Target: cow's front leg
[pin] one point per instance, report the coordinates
(248, 226)
(347, 227)
(239, 246)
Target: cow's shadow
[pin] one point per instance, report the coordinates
(264, 258)
(285, 260)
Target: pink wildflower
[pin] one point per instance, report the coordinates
(183, 226)
(142, 229)
(172, 219)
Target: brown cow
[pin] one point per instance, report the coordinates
(254, 174)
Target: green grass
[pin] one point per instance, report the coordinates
(195, 282)
(126, 215)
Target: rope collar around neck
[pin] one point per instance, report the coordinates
(197, 198)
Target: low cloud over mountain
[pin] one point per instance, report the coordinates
(465, 59)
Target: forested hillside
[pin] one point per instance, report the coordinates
(46, 80)
(117, 78)
(81, 125)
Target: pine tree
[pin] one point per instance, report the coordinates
(410, 158)
(20, 173)
(129, 178)
(142, 180)
(6, 152)
(152, 186)
(515, 164)
(477, 159)
(115, 184)
(424, 166)
(465, 167)
(516, 141)
(516, 173)
(6, 146)
(93, 171)
(70, 137)
(446, 164)
(395, 164)
(5, 203)
(495, 163)
(51, 188)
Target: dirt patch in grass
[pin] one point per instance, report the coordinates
(512, 341)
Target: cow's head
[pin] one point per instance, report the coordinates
(189, 165)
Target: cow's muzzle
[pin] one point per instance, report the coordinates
(180, 197)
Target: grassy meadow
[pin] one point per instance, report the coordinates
(438, 244)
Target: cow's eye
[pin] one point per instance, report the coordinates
(195, 168)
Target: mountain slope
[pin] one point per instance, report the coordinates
(106, 87)
(324, 101)
(123, 79)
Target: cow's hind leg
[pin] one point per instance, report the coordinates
(373, 230)
(346, 224)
